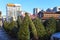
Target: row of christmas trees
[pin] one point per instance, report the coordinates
(28, 29)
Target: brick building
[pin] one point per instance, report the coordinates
(46, 15)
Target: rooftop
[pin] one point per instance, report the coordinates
(13, 5)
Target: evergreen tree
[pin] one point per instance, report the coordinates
(12, 25)
(39, 27)
(58, 26)
(24, 33)
(6, 25)
(33, 29)
(51, 26)
(19, 21)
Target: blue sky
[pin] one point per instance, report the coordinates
(28, 5)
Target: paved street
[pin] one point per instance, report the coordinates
(4, 35)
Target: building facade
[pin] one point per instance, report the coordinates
(47, 15)
(11, 11)
(49, 10)
(56, 9)
(21, 13)
(4, 18)
(36, 11)
(1, 23)
(51, 15)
